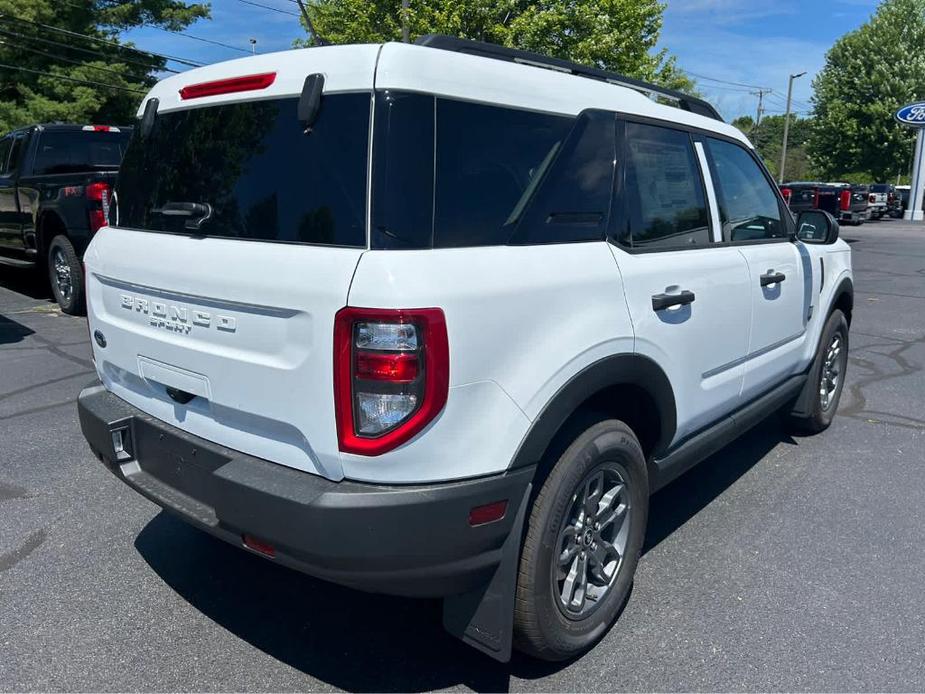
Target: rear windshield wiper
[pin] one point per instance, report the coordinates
(195, 212)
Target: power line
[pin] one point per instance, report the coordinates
(715, 79)
(71, 79)
(60, 57)
(177, 33)
(115, 44)
(199, 38)
(88, 51)
(268, 7)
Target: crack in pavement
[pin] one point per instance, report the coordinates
(26, 389)
(32, 543)
(858, 408)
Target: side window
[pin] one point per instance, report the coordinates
(486, 161)
(572, 201)
(748, 204)
(15, 152)
(665, 205)
(5, 144)
(403, 171)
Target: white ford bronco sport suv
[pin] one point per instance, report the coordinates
(435, 320)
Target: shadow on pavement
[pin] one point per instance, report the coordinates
(358, 641)
(25, 281)
(11, 331)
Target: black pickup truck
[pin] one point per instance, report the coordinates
(848, 203)
(55, 187)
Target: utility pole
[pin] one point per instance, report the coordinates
(760, 94)
(783, 151)
(405, 33)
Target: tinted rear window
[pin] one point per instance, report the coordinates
(487, 157)
(259, 174)
(880, 188)
(70, 151)
(451, 173)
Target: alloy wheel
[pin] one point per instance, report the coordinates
(831, 372)
(63, 278)
(592, 542)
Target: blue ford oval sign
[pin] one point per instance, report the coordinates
(913, 114)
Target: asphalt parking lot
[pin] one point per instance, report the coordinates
(779, 564)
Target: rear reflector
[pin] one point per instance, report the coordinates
(246, 83)
(489, 513)
(259, 546)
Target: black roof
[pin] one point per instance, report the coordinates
(513, 55)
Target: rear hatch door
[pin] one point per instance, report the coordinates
(236, 235)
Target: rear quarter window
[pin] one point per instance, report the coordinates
(260, 174)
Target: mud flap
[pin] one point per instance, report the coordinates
(484, 618)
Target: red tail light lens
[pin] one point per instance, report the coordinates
(98, 194)
(787, 193)
(391, 375)
(872, 197)
(815, 198)
(845, 200)
(246, 83)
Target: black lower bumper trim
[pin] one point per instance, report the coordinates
(402, 540)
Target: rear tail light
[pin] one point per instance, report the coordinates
(247, 83)
(845, 200)
(787, 193)
(98, 195)
(815, 198)
(872, 197)
(391, 375)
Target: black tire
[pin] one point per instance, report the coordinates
(66, 276)
(825, 403)
(543, 626)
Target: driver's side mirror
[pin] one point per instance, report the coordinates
(817, 226)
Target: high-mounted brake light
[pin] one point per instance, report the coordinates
(391, 375)
(98, 194)
(100, 129)
(246, 83)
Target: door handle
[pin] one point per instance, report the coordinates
(771, 277)
(663, 301)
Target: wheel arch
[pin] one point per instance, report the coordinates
(843, 298)
(48, 225)
(625, 386)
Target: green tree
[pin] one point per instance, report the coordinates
(50, 74)
(869, 73)
(768, 140)
(619, 35)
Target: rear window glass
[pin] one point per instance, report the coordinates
(249, 171)
(70, 151)
(487, 157)
(451, 173)
(880, 188)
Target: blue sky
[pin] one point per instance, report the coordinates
(752, 42)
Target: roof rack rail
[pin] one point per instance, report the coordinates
(513, 55)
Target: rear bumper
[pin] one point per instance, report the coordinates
(402, 540)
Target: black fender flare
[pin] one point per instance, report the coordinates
(619, 369)
(844, 288)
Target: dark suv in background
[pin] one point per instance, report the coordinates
(55, 187)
